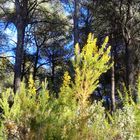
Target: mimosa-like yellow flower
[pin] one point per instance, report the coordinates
(31, 86)
(66, 79)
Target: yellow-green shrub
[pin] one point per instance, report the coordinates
(72, 116)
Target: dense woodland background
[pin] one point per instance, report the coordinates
(41, 44)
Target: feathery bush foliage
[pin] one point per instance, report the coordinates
(36, 116)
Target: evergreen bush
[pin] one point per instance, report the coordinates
(40, 116)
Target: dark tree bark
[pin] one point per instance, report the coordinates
(38, 46)
(75, 20)
(53, 74)
(23, 66)
(127, 71)
(19, 56)
(20, 23)
(36, 62)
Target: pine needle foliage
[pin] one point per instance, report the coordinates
(40, 116)
(89, 65)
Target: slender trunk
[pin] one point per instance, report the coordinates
(126, 43)
(113, 81)
(127, 40)
(19, 57)
(75, 20)
(127, 71)
(113, 86)
(23, 66)
(35, 64)
(52, 77)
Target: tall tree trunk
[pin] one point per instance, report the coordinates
(23, 66)
(113, 59)
(75, 20)
(20, 23)
(35, 64)
(19, 56)
(37, 56)
(127, 40)
(53, 76)
(127, 71)
(113, 85)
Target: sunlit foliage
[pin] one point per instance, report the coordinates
(39, 115)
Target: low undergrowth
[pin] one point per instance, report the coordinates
(40, 116)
